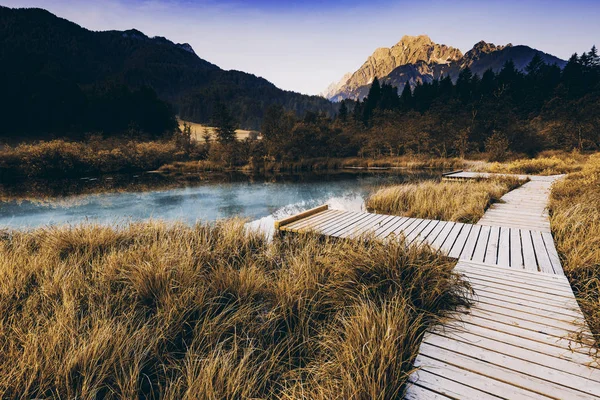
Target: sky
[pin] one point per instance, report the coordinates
(306, 45)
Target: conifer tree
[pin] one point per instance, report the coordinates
(406, 98)
(343, 113)
(224, 124)
(535, 65)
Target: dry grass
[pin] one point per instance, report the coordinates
(208, 312)
(547, 163)
(60, 158)
(199, 130)
(446, 201)
(575, 221)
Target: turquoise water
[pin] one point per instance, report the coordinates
(258, 200)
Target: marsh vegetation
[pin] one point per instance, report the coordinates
(154, 310)
(445, 201)
(575, 220)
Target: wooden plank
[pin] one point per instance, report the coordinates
(533, 287)
(437, 243)
(508, 276)
(425, 232)
(529, 309)
(334, 228)
(521, 273)
(472, 239)
(471, 378)
(504, 247)
(516, 257)
(518, 349)
(540, 326)
(318, 225)
(449, 242)
(354, 226)
(315, 217)
(407, 228)
(347, 217)
(529, 261)
(501, 373)
(416, 392)
(491, 254)
(482, 242)
(544, 307)
(519, 331)
(439, 381)
(368, 227)
(460, 242)
(572, 327)
(395, 225)
(498, 290)
(371, 228)
(548, 348)
(435, 233)
(391, 220)
(541, 254)
(417, 230)
(304, 214)
(514, 287)
(561, 379)
(552, 253)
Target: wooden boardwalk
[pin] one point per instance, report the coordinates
(524, 337)
(494, 245)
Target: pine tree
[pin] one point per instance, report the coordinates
(343, 112)
(406, 98)
(593, 56)
(372, 100)
(446, 86)
(224, 124)
(463, 84)
(535, 65)
(488, 82)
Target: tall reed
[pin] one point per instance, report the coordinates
(575, 221)
(446, 201)
(156, 310)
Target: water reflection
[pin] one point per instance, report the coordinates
(260, 199)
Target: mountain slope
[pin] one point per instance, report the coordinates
(35, 43)
(418, 59)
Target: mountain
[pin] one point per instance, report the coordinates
(36, 45)
(336, 86)
(418, 59)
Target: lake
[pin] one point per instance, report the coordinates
(261, 200)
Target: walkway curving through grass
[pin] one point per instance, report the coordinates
(524, 336)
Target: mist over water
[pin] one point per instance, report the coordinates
(260, 201)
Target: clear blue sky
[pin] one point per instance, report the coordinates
(305, 45)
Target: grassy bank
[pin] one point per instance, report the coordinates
(547, 163)
(413, 162)
(575, 220)
(446, 201)
(60, 158)
(171, 311)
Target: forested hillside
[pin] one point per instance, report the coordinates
(540, 108)
(54, 71)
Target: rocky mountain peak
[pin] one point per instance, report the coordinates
(409, 50)
(187, 47)
(482, 47)
(418, 59)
